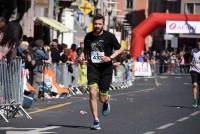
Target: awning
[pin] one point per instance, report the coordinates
(53, 24)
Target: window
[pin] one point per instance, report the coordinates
(46, 12)
(189, 8)
(197, 8)
(129, 4)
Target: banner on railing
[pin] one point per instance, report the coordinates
(142, 69)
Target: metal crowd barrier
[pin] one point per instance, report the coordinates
(65, 78)
(122, 77)
(72, 80)
(169, 69)
(147, 70)
(11, 91)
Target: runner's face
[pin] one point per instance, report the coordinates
(98, 26)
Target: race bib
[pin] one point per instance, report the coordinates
(96, 56)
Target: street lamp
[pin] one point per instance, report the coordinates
(109, 10)
(95, 6)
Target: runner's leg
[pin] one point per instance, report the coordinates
(93, 100)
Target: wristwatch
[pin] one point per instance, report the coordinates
(111, 57)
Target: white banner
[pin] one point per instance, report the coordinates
(183, 27)
(142, 69)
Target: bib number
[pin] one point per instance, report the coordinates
(96, 57)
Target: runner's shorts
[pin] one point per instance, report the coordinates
(195, 77)
(100, 75)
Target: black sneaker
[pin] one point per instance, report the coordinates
(106, 107)
(96, 125)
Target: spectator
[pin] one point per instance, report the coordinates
(163, 62)
(55, 52)
(12, 35)
(182, 62)
(65, 56)
(39, 55)
(172, 62)
(72, 54)
(2, 27)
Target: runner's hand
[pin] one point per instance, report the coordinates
(105, 58)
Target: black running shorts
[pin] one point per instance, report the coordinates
(100, 75)
(195, 77)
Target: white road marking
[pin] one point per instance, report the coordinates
(45, 129)
(164, 77)
(195, 113)
(150, 132)
(183, 119)
(172, 124)
(13, 128)
(47, 132)
(29, 130)
(138, 91)
(178, 77)
(165, 126)
(187, 83)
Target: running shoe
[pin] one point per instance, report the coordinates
(106, 107)
(96, 125)
(195, 103)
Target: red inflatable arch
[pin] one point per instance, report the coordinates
(148, 25)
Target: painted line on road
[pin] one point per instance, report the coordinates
(183, 119)
(42, 129)
(138, 91)
(84, 98)
(50, 108)
(68, 103)
(195, 113)
(150, 132)
(186, 83)
(172, 124)
(165, 126)
(12, 130)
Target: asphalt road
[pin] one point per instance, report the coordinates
(142, 109)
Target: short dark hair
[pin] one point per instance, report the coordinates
(98, 17)
(73, 47)
(39, 43)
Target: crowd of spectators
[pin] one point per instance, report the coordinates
(36, 54)
(170, 62)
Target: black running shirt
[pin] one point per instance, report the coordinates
(97, 46)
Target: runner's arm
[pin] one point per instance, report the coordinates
(116, 53)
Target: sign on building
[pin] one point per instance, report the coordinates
(86, 7)
(187, 27)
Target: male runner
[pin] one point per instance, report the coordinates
(195, 74)
(99, 46)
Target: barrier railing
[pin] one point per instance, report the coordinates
(75, 79)
(147, 69)
(11, 91)
(172, 69)
(122, 77)
(64, 80)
